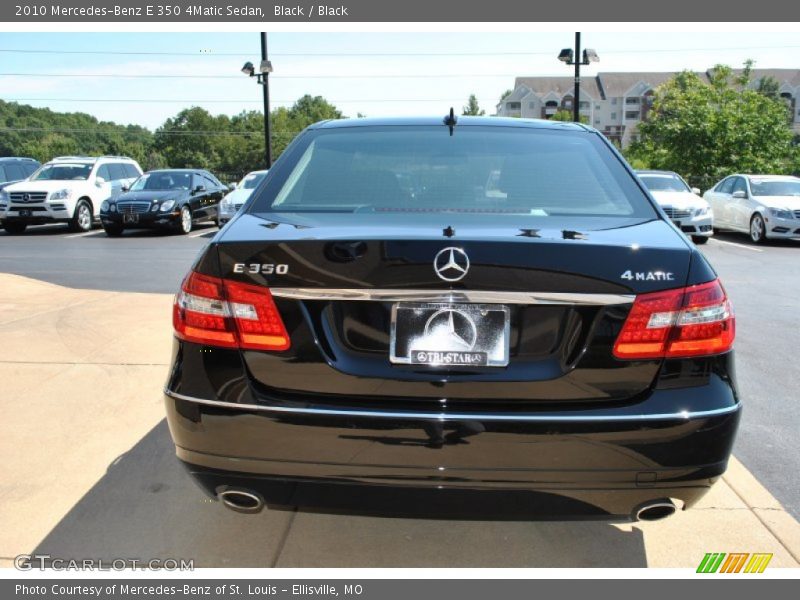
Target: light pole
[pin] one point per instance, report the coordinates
(262, 78)
(567, 56)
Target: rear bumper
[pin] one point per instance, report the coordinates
(606, 463)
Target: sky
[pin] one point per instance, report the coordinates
(376, 74)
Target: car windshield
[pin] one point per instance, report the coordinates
(171, 180)
(664, 183)
(63, 172)
(251, 181)
(775, 187)
(477, 169)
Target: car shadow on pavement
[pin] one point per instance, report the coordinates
(147, 507)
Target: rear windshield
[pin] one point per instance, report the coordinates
(476, 170)
(664, 183)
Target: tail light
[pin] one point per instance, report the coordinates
(219, 312)
(692, 321)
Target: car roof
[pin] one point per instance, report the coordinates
(89, 159)
(17, 159)
(177, 171)
(775, 177)
(654, 172)
(463, 121)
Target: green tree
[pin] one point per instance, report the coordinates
(504, 95)
(472, 108)
(708, 130)
(566, 115)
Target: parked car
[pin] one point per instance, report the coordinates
(68, 189)
(233, 201)
(166, 198)
(559, 336)
(14, 169)
(683, 204)
(763, 206)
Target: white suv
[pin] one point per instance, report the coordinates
(68, 189)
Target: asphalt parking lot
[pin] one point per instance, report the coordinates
(85, 310)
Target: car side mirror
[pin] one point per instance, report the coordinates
(98, 181)
(125, 188)
(739, 194)
(198, 189)
(696, 191)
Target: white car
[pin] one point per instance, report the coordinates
(763, 206)
(234, 200)
(68, 189)
(683, 204)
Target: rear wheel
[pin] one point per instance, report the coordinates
(699, 239)
(82, 218)
(113, 230)
(14, 227)
(185, 220)
(758, 231)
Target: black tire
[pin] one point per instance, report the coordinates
(113, 230)
(758, 230)
(14, 227)
(185, 222)
(700, 239)
(83, 218)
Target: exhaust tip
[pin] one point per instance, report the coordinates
(240, 500)
(655, 510)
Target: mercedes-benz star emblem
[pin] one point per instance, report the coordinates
(451, 264)
(453, 324)
(25, 197)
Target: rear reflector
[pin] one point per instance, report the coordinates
(692, 321)
(218, 312)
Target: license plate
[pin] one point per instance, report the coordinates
(25, 213)
(130, 218)
(445, 335)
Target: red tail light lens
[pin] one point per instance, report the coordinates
(692, 321)
(217, 312)
(257, 319)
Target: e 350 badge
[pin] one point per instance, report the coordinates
(263, 268)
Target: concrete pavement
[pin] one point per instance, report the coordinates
(88, 470)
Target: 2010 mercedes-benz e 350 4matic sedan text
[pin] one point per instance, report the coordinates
(479, 303)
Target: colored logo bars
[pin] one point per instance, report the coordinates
(734, 562)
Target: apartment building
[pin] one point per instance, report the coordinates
(615, 103)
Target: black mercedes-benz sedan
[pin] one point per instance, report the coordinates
(168, 198)
(474, 303)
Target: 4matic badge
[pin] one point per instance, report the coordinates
(647, 276)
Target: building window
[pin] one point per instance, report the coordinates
(597, 107)
(597, 121)
(513, 105)
(632, 114)
(632, 100)
(613, 116)
(585, 105)
(613, 101)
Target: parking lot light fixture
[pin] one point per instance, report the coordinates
(262, 77)
(567, 56)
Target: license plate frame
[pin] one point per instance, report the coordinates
(130, 219)
(447, 334)
(25, 212)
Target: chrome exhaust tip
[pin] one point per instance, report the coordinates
(655, 510)
(241, 500)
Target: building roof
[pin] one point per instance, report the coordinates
(617, 84)
(559, 85)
